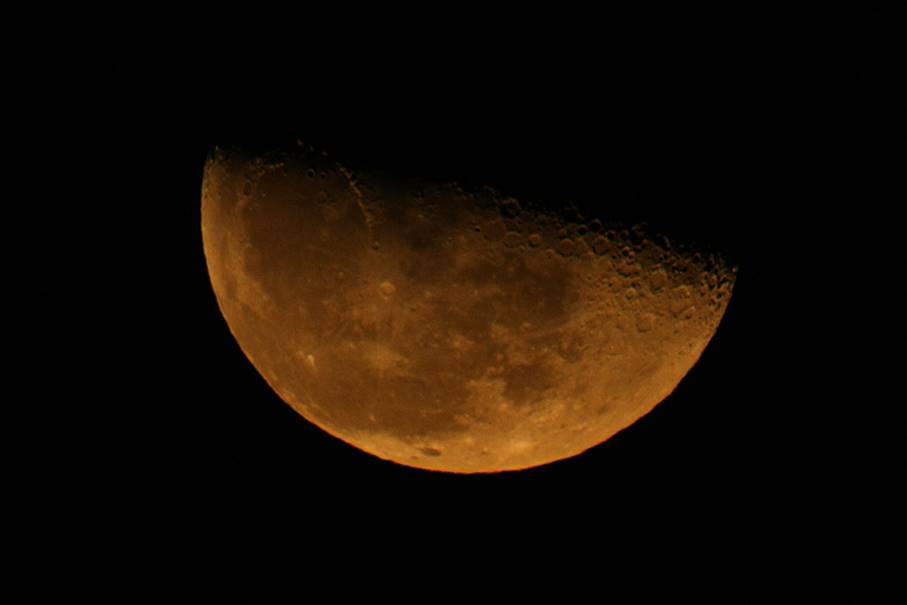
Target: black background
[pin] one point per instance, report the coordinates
(173, 469)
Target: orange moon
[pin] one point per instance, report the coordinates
(445, 329)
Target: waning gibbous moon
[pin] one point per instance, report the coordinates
(445, 329)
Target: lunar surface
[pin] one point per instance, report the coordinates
(445, 329)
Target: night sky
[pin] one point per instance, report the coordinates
(173, 468)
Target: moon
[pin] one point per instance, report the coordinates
(449, 329)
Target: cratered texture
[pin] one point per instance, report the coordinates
(449, 329)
